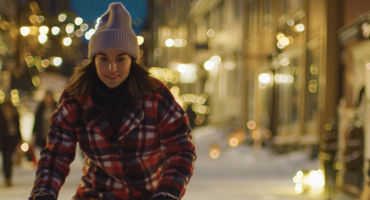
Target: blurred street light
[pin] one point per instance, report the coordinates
(56, 61)
(70, 28)
(44, 30)
(25, 30)
(55, 30)
(78, 21)
(42, 38)
(264, 78)
(211, 33)
(67, 41)
(62, 17)
(299, 28)
(209, 65)
(140, 40)
(169, 42)
(84, 27)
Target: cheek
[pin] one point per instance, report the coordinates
(126, 69)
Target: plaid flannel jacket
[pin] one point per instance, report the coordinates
(151, 155)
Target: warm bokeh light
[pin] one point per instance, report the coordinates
(62, 17)
(36, 81)
(70, 28)
(214, 151)
(67, 41)
(211, 33)
(43, 30)
(78, 21)
(256, 135)
(25, 30)
(299, 28)
(178, 42)
(181, 68)
(169, 42)
(251, 125)
(298, 188)
(14, 93)
(283, 78)
(214, 154)
(264, 78)
(40, 19)
(84, 27)
(42, 38)
(45, 63)
(25, 147)
(55, 30)
(33, 19)
(313, 181)
(284, 62)
(233, 142)
(290, 22)
(284, 41)
(79, 33)
(140, 40)
(57, 61)
(209, 65)
(279, 36)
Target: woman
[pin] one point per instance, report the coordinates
(10, 136)
(134, 135)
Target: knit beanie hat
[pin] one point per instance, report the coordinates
(114, 32)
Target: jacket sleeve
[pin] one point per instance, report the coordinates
(176, 145)
(53, 166)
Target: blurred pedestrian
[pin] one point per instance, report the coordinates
(136, 138)
(42, 119)
(10, 136)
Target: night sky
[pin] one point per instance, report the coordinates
(90, 10)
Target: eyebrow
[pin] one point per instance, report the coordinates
(121, 54)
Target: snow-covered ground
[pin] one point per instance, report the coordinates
(238, 174)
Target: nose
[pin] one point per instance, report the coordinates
(112, 67)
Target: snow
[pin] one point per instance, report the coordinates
(239, 173)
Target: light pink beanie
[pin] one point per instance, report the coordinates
(114, 32)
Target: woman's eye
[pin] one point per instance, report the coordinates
(103, 59)
(121, 59)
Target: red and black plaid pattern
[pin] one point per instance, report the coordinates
(151, 155)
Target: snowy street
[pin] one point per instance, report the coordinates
(236, 175)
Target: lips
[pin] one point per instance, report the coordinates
(112, 77)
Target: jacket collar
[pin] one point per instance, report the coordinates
(99, 124)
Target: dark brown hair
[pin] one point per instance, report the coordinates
(139, 83)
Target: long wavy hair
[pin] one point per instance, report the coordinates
(139, 83)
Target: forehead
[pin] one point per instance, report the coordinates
(112, 53)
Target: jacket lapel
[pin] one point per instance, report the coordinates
(132, 117)
(99, 123)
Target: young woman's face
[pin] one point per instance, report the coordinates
(112, 67)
